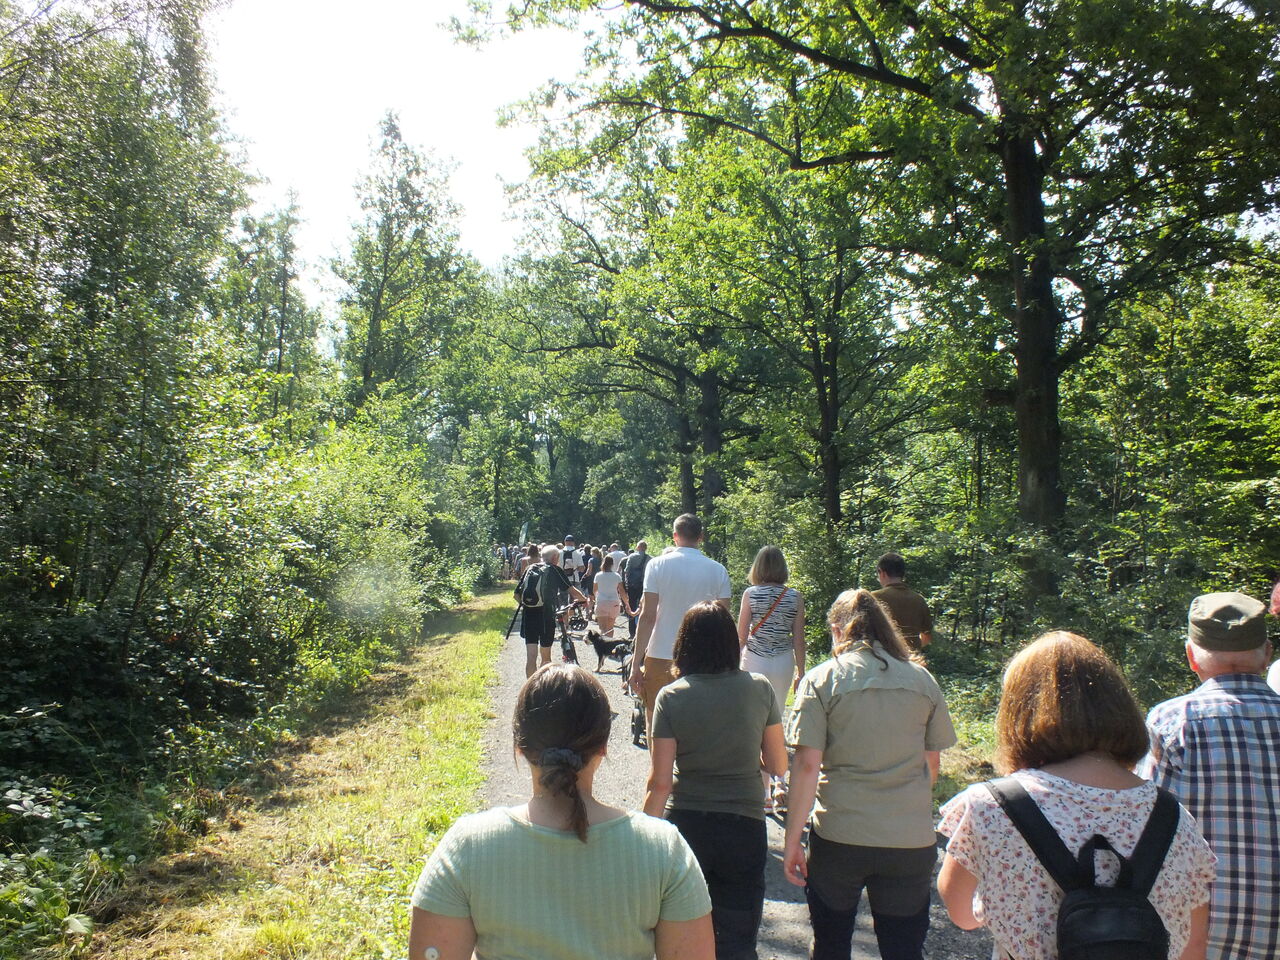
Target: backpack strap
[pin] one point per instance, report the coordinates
(1036, 830)
(1153, 845)
(1088, 863)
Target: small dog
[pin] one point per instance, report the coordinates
(606, 648)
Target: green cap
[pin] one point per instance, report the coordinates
(1226, 621)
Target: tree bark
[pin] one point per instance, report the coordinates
(711, 431)
(684, 447)
(1037, 324)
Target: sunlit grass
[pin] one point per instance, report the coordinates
(971, 701)
(323, 868)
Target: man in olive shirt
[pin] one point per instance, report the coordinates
(908, 609)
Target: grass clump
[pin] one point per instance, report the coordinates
(317, 858)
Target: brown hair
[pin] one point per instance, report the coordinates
(857, 617)
(707, 641)
(687, 527)
(770, 566)
(608, 563)
(892, 565)
(1061, 697)
(561, 722)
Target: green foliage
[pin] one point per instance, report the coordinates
(194, 552)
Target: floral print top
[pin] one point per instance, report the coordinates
(1016, 898)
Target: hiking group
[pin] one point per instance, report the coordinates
(1108, 836)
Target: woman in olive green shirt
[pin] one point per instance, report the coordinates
(713, 728)
(872, 722)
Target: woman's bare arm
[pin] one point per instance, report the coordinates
(802, 790)
(685, 939)
(1198, 940)
(662, 762)
(773, 751)
(744, 619)
(451, 938)
(956, 886)
(797, 637)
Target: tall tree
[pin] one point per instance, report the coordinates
(403, 270)
(1068, 155)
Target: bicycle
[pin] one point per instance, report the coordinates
(568, 613)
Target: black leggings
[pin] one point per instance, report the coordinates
(732, 851)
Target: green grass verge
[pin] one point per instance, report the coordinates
(322, 865)
(972, 702)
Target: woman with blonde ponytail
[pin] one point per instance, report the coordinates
(509, 882)
(872, 722)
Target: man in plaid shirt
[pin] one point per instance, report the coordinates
(1218, 750)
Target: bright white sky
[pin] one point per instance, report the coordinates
(305, 82)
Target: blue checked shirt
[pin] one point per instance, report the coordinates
(1218, 750)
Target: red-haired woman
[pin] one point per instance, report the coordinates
(1069, 732)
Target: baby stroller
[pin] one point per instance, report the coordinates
(567, 651)
(638, 733)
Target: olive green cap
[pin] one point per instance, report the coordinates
(1226, 621)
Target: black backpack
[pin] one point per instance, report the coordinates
(529, 591)
(1099, 923)
(633, 572)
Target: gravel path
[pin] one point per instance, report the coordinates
(784, 935)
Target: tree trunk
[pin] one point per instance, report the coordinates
(1037, 323)
(684, 451)
(684, 446)
(824, 350)
(711, 429)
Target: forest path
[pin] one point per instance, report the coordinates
(318, 863)
(785, 932)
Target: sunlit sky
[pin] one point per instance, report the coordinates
(305, 82)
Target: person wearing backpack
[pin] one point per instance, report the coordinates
(538, 594)
(1068, 733)
(632, 570)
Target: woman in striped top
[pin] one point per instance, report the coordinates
(771, 624)
(771, 635)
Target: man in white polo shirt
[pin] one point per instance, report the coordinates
(673, 583)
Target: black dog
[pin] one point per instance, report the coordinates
(605, 648)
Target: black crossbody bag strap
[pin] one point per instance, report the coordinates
(1036, 830)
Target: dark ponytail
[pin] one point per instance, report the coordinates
(561, 722)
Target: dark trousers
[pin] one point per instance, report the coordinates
(732, 851)
(633, 601)
(897, 882)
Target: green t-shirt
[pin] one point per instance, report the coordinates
(873, 720)
(534, 893)
(717, 721)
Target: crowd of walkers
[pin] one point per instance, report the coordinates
(1107, 835)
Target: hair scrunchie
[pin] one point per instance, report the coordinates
(562, 757)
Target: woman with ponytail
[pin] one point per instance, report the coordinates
(510, 882)
(872, 722)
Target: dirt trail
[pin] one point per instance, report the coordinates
(784, 935)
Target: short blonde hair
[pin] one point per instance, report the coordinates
(770, 566)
